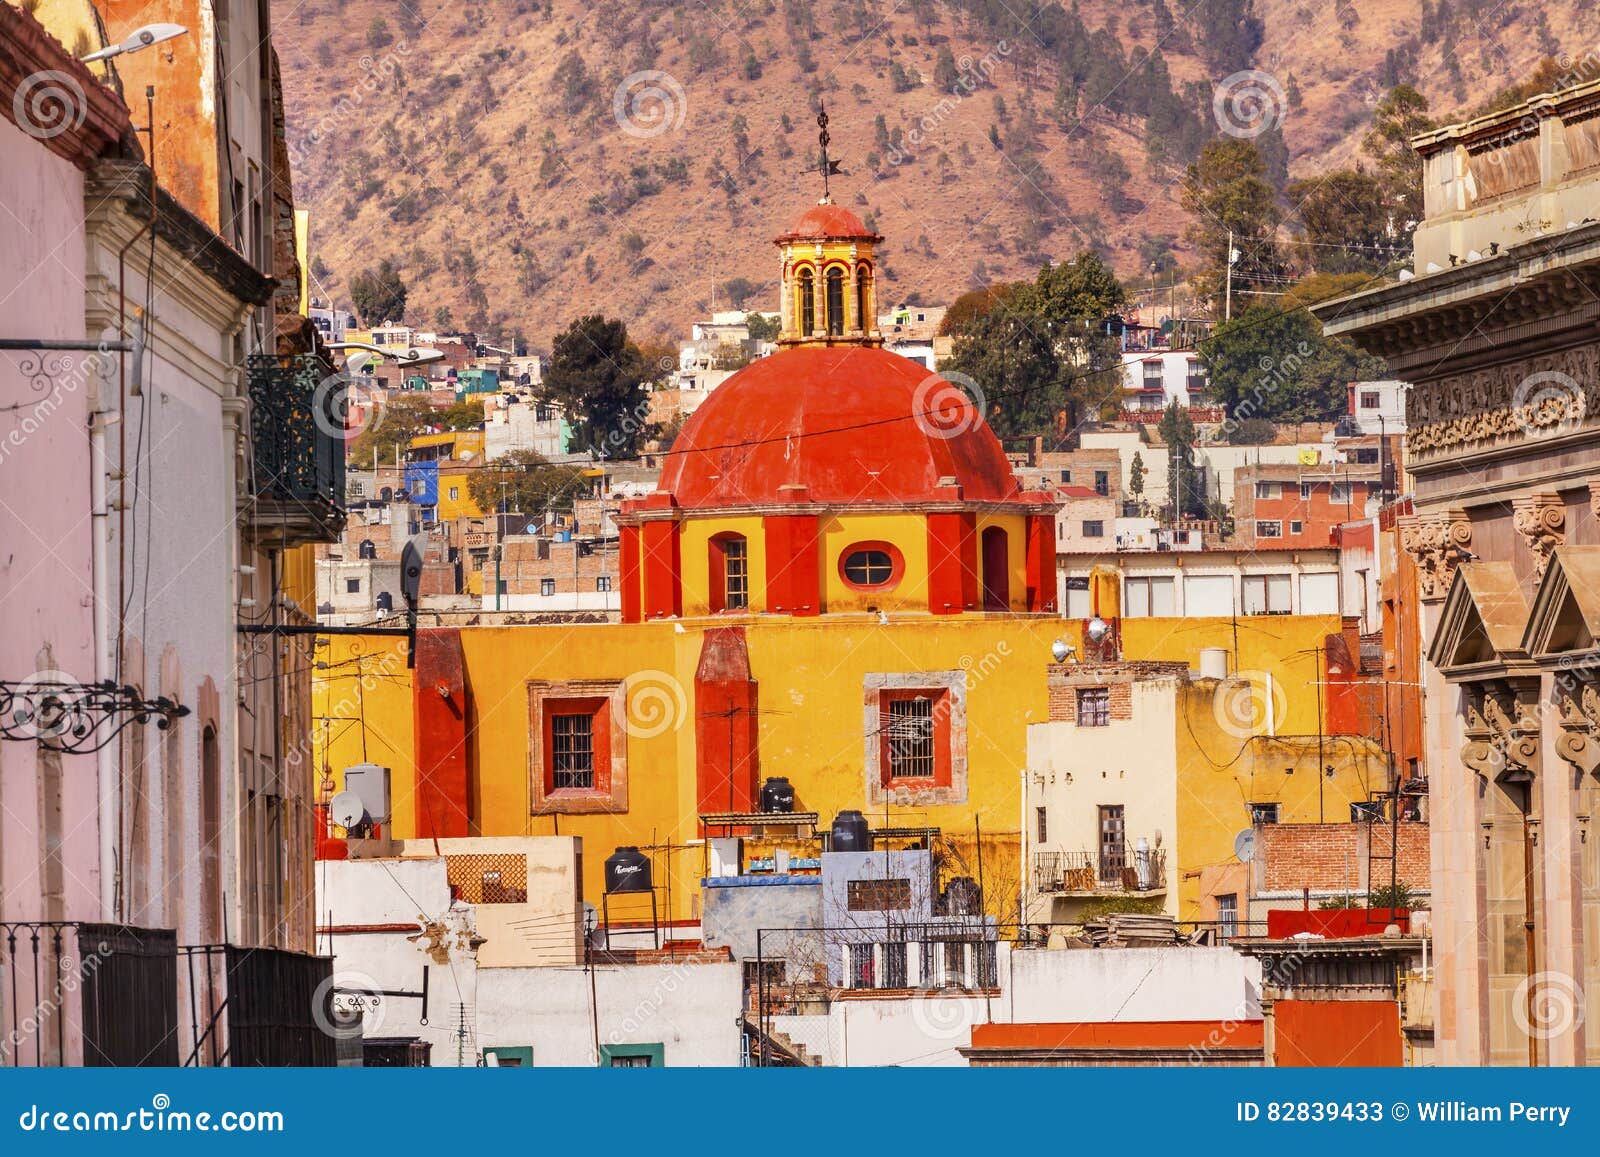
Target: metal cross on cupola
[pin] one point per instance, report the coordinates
(828, 168)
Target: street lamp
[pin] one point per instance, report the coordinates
(141, 38)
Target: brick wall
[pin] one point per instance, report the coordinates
(1119, 678)
(1331, 857)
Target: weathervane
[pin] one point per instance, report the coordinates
(827, 168)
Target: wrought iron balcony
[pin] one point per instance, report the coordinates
(297, 434)
(1128, 870)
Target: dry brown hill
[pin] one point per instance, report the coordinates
(524, 163)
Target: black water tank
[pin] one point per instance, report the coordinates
(777, 796)
(850, 833)
(962, 897)
(627, 870)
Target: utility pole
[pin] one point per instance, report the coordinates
(1227, 314)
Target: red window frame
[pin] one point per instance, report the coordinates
(897, 564)
(598, 708)
(942, 765)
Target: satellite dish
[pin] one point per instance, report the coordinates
(345, 810)
(1244, 844)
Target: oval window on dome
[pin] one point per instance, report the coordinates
(871, 565)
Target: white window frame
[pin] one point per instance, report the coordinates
(1263, 523)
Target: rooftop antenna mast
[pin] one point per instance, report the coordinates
(828, 168)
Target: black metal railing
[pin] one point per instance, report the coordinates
(1131, 869)
(87, 994)
(297, 430)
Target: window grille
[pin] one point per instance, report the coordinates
(911, 738)
(1094, 706)
(499, 879)
(572, 751)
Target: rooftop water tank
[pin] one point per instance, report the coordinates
(777, 796)
(627, 870)
(850, 833)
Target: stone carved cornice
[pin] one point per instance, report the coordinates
(1578, 701)
(1541, 519)
(1505, 404)
(1501, 732)
(1438, 543)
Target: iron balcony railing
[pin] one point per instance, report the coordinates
(87, 994)
(297, 434)
(1130, 869)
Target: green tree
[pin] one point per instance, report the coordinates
(1226, 191)
(1136, 476)
(402, 418)
(761, 327)
(1399, 116)
(1009, 355)
(526, 482)
(1345, 219)
(597, 376)
(574, 84)
(1276, 364)
(1186, 495)
(946, 76)
(467, 414)
(379, 295)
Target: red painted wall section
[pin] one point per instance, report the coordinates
(793, 577)
(1041, 562)
(952, 563)
(726, 724)
(632, 575)
(1334, 923)
(663, 586)
(1337, 1034)
(329, 847)
(440, 702)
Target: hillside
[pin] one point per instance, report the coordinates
(525, 163)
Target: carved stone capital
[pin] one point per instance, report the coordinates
(1541, 519)
(1594, 496)
(1437, 542)
(1579, 741)
(1501, 732)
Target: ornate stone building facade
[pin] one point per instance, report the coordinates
(1497, 331)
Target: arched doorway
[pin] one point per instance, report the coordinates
(996, 570)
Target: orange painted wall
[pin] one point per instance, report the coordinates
(1337, 1034)
(1157, 1034)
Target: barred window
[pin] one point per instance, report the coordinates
(862, 972)
(911, 738)
(1094, 706)
(894, 965)
(572, 751)
(877, 895)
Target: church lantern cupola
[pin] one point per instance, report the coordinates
(828, 274)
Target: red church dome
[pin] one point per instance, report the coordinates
(854, 425)
(827, 221)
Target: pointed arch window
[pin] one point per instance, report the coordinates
(808, 302)
(835, 301)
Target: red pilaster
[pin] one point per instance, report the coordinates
(439, 698)
(726, 723)
(1041, 562)
(952, 563)
(632, 574)
(663, 582)
(793, 577)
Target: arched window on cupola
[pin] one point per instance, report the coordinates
(863, 297)
(835, 301)
(730, 573)
(807, 303)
